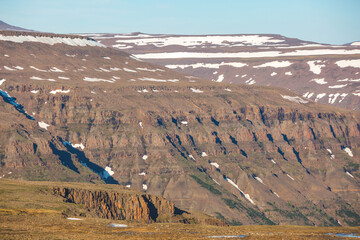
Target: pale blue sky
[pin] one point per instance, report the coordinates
(325, 21)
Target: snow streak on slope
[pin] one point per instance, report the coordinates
(51, 40)
(315, 52)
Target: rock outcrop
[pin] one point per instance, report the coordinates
(120, 206)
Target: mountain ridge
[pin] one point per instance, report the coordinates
(319, 72)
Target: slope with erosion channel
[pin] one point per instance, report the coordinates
(246, 154)
(324, 73)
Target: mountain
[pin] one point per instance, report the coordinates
(75, 110)
(7, 27)
(324, 73)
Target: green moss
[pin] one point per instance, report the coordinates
(256, 216)
(351, 217)
(352, 166)
(293, 214)
(203, 184)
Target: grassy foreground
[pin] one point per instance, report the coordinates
(28, 211)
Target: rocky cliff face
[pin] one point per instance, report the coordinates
(246, 154)
(120, 206)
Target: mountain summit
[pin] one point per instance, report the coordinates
(7, 27)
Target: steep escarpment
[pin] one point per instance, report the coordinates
(215, 147)
(245, 154)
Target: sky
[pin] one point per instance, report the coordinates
(323, 21)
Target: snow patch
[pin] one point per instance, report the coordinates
(308, 95)
(117, 225)
(2, 81)
(294, 99)
(59, 91)
(19, 68)
(196, 90)
(290, 177)
(319, 96)
(143, 91)
(64, 78)
(348, 151)
(338, 86)
(349, 80)
(142, 174)
(55, 69)
(320, 81)
(88, 79)
(151, 79)
(348, 63)
(349, 174)
(193, 41)
(74, 219)
(275, 64)
(145, 157)
(135, 58)
(215, 164)
(43, 125)
(220, 78)
(288, 73)
(343, 95)
(107, 172)
(332, 156)
(273, 161)
(41, 79)
(9, 68)
(276, 194)
(145, 187)
(333, 97)
(312, 52)
(273, 74)
(315, 66)
(203, 154)
(207, 65)
(78, 145)
(52, 40)
(150, 70)
(259, 179)
(37, 69)
(128, 70)
(247, 196)
(250, 81)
